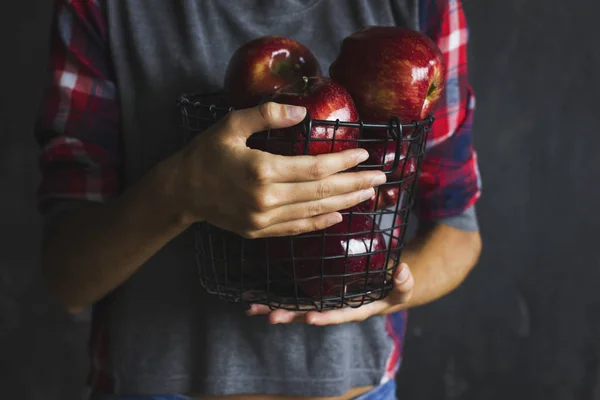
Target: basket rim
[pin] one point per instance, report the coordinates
(186, 100)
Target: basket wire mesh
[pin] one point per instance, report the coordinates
(347, 265)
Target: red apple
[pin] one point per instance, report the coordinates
(391, 71)
(324, 100)
(386, 196)
(262, 65)
(353, 234)
(382, 156)
(397, 232)
(399, 180)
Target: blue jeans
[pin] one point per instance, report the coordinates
(386, 391)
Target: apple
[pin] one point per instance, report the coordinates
(400, 179)
(391, 71)
(353, 234)
(386, 196)
(262, 65)
(397, 232)
(323, 99)
(382, 155)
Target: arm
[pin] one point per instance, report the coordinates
(440, 258)
(97, 235)
(448, 244)
(78, 132)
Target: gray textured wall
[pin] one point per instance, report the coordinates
(526, 323)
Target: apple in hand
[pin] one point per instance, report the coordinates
(353, 235)
(391, 71)
(260, 66)
(323, 99)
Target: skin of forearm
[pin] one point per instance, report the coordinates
(91, 250)
(440, 258)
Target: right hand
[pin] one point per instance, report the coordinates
(257, 194)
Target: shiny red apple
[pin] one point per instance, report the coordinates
(397, 233)
(382, 156)
(260, 66)
(323, 99)
(386, 196)
(391, 71)
(399, 180)
(352, 235)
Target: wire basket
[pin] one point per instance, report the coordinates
(347, 265)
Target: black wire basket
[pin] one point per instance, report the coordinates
(346, 265)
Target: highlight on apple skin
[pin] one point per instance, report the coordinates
(391, 71)
(323, 99)
(352, 236)
(262, 65)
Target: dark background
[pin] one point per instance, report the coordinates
(525, 325)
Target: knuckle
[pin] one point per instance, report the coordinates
(319, 224)
(359, 184)
(262, 199)
(324, 190)
(298, 228)
(259, 172)
(315, 208)
(317, 170)
(269, 111)
(257, 221)
(248, 234)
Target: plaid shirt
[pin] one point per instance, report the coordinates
(78, 128)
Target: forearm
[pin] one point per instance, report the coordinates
(91, 250)
(440, 258)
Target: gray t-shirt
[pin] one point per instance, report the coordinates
(160, 332)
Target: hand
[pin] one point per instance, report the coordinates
(257, 194)
(396, 299)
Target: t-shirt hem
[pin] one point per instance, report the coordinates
(223, 386)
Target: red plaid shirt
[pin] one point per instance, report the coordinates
(78, 128)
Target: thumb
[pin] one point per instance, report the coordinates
(403, 281)
(266, 116)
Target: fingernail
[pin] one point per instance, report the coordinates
(295, 112)
(334, 219)
(403, 275)
(363, 156)
(380, 179)
(367, 194)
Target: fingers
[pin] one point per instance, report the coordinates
(277, 316)
(292, 228)
(338, 184)
(258, 309)
(403, 284)
(266, 116)
(286, 317)
(317, 207)
(312, 168)
(343, 315)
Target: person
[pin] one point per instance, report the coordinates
(119, 194)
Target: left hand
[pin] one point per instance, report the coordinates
(399, 296)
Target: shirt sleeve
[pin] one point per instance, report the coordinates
(77, 127)
(449, 184)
